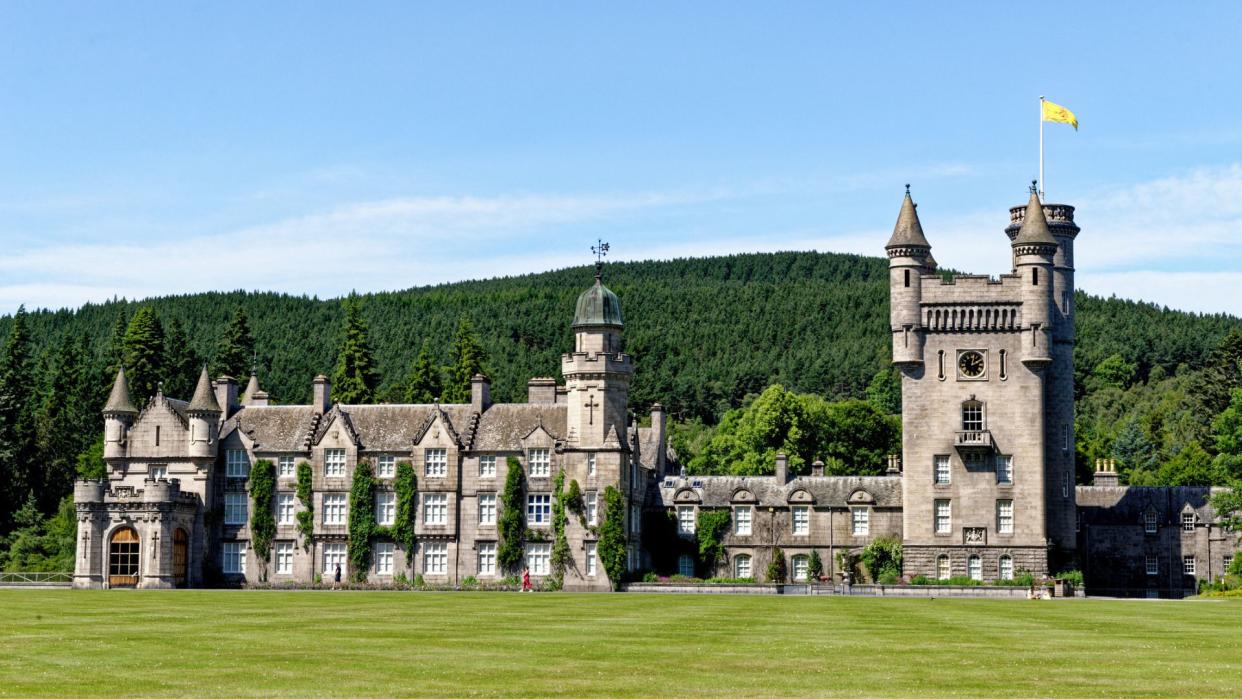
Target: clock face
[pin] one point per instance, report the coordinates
(971, 364)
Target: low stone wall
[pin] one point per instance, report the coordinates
(707, 588)
(998, 592)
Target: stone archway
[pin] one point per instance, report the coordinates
(181, 557)
(123, 550)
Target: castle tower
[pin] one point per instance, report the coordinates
(987, 383)
(909, 258)
(1058, 376)
(119, 413)
(204, 417)
(598, 372)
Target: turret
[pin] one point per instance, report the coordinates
(597, 373)
(1034, 248)
(909, 258)
(119, 413)
(204, 418)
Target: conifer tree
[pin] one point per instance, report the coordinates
(17, 429)
(181, 361)
(235, 352)
(354, 380)
(144, 354)
(424, 384)
(115, 350)
(467, 358)
(67, 419)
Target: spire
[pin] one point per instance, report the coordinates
(118, 400)
(204, 400)
(908, 232)
(251, 388)
(1034, 230)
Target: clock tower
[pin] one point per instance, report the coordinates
(987, 401)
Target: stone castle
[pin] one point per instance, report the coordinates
(984, 487)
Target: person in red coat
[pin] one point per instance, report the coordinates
(526, 580)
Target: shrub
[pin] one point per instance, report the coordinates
(922, 580)
(815, 566)
(512, 525)
(361, 520)
(1235, 567)
(889, 578)
(882, 558)
(960, 581)
(778, 569)
(611, 547)
(306, 517)
(711, 528)
(406, 486)
(419, 582)
(650, 577)
(262, 522)
(1071, 576)
(469, 582)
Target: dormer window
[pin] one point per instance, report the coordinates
(540, 461)
(1188, 521)
(1149, 522)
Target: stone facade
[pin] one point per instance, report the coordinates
(984, 486)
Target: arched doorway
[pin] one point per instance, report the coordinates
(123, 558)
(181, 549)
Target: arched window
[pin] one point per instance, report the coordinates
(1006, 567)
(741, 566)
(972, 416)
(123, 558)
(685, 565)
(942, 567)
(975, 568)
(800, 568)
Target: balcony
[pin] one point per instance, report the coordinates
(974, 440)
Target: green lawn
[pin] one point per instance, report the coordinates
(231, 643)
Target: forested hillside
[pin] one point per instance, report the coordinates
(706, 334)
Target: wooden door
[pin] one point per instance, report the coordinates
(181, 546)
(123, 558)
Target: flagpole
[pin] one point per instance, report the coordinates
(1042, 190)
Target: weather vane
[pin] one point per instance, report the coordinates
(600, 250)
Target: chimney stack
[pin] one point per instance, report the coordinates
(1106, 473)
(782, 469)
(480, 392)
(226, 396)
(323, 395)
(817, 468)
(659, 423)
(541, 389)
(894, 465)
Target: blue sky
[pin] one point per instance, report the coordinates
(150, 149)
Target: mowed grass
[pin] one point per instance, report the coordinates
(238, 643)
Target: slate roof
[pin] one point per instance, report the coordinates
(1123, 504)
(502, 427)
(204, 399)
(118, 399)
(646, 447)
(274, 427)
(717, 491)
(397, 427)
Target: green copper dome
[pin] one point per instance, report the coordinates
(598, 306)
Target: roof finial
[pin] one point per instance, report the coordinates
(907, 188)
(600, 250)
(1034, 186)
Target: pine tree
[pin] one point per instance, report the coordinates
(115, 350)
(235, 353)
(144, 354)
(67, 419)
(467, 358)
(17, 428)
(424, 384)
(181, 361)
(354, 380)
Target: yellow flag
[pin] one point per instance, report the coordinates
(1057, 113)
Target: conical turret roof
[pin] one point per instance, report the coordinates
(251, 388)
(908, 232)
(118, 400)
(204, 400)
(1034, 230)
